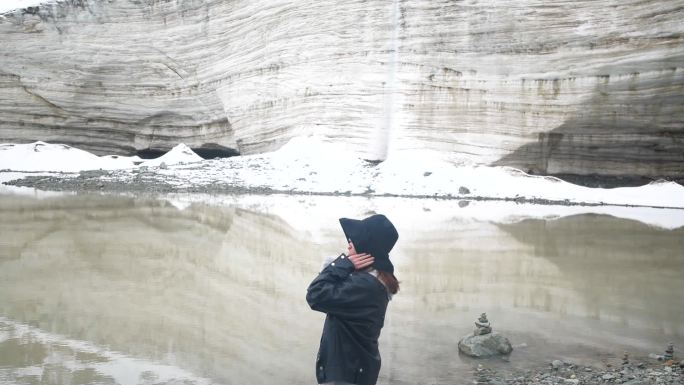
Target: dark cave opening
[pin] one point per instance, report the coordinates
(206, 151)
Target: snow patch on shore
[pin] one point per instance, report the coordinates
(41, 156)
(179, 154)
(312, 165)
(47, 157)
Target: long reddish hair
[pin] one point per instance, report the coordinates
(389, 280)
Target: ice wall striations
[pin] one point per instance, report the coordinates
(579, 87)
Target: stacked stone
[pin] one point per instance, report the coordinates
(482, 325)
(483, 342)
(669, 352)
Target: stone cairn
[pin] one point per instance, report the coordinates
(668, 356)
(482, 325)
(483, 342)
(669, 352)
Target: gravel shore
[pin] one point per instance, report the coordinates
(144, 181)
(644, 372)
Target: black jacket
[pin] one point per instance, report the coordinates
(355, 305)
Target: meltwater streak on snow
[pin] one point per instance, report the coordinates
(123, 369)
(384, 131)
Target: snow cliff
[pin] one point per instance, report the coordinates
(581, 87)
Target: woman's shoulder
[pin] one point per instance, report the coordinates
(377, 277)
(369, 280)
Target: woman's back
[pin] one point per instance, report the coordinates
(355, 304)
(350, 291)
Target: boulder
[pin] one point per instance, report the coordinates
(487, 345)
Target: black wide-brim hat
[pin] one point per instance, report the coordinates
(375, 235)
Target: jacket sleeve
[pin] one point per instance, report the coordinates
(334, 291)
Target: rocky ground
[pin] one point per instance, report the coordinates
(144, 181)
(644, 372)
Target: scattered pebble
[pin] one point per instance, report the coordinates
(559, 373)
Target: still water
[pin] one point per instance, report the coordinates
(132, 290)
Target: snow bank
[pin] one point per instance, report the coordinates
(310, 164)
(41, 156)
(422, 173)
(179, 154)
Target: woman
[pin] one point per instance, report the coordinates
(353, 291)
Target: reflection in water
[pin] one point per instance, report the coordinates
(217, 292)
(212, 290)
(28, 355)
(621, 270)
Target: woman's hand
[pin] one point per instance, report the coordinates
(361, 261)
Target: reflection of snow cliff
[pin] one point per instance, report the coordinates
(219, 291)
(46, 356)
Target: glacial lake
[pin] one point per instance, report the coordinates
(198, 290)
